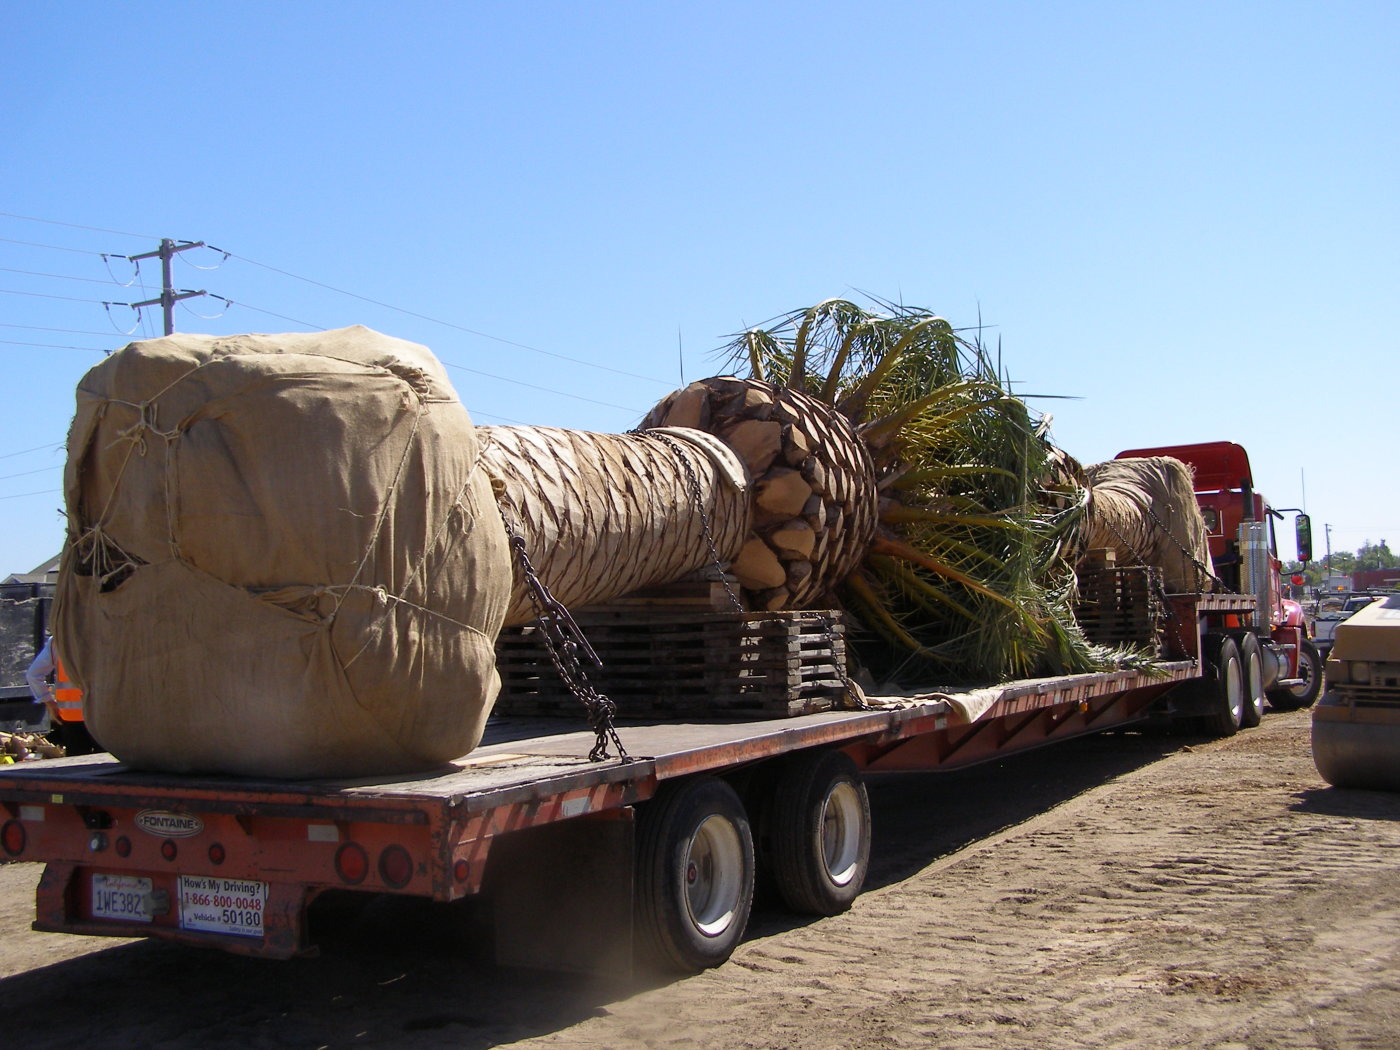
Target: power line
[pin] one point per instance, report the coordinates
(62, 276)
(544, 389)
(41, 328)
(55, 247)
(37, 448)
(26, 473)
(41, 492)
(65, 298)
(55, 346)
(77, 226)
(445, 324)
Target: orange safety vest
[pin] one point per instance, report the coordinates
(67, 697)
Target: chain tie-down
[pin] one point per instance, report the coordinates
(564, 641)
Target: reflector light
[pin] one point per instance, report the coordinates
(168, 850)
(351, 863)
(395, 867)
(13, 837)
(123, 846)
(460, 870)
(216, 853)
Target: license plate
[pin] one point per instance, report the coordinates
(124, 897)
(218, 905)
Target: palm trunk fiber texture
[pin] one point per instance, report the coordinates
(605, 514)
(1145, 511)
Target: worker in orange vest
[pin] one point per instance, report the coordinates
(51, 686)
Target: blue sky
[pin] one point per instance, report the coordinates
(1181, 219)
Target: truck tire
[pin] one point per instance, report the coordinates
(1227, 696)
(695, 875)
(1252, 664)
(1291, 698)
(819, 851)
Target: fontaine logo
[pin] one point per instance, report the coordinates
(168, 825)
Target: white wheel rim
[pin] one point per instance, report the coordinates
(842, 832)
(1234, 689)
(1255, 670)
(714, 875)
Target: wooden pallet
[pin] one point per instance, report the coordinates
(1122, 606)
(691, 663)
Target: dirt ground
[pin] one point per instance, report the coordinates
(1120, 891)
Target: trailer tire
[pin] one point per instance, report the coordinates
(1310, 671)
(1252, 666)
(695, 875)
(1227, 692)
(819, 849)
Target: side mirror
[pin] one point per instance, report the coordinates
(1303, 529)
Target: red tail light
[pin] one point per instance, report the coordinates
(351, 863)
(13, 837)
(395, 867)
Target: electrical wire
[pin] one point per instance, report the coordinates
(55, 346)
(181, 257)
(55, 247)
(77, 226)
(41, 328)
(26, 473)
(445, 324)
(65, 277)
(132, 329)
(543, 389)
(230, 302)
(107, 258)
(41, 492)
(36, 448)
(184, 305)
(41, 295)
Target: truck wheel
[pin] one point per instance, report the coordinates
(820, 833)
(1252, 664)
(1291, 698)
(1227, 692)
(695, 874)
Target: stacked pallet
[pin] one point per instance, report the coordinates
(1121, 605)
(686, 662)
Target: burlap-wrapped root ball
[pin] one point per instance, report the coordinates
(1145, 510)
(283, 557)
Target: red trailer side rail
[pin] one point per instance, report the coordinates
(235, 863)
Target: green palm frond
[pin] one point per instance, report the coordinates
(970, 574)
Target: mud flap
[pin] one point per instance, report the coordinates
(561, 895)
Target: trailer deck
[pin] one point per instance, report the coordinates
(234, 862)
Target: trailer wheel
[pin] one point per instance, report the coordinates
(1291, 698)
(1252, 665)
(695, 874)
(1227, 692)
(820, 833)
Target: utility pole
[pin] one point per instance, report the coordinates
(1328, 530)
(168, 296)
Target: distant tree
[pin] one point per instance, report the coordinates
(1374, 556)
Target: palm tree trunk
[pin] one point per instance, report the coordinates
(605, 514)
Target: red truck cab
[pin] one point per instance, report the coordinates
(1244, 552)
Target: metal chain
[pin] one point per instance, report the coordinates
(699, 497)
(564, 640)
(1161, 588)
(854, 693)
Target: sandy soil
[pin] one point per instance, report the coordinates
(1121, 891)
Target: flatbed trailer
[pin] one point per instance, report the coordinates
(568, 848)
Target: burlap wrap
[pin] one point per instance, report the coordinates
(283, 557)
(1145, 510)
